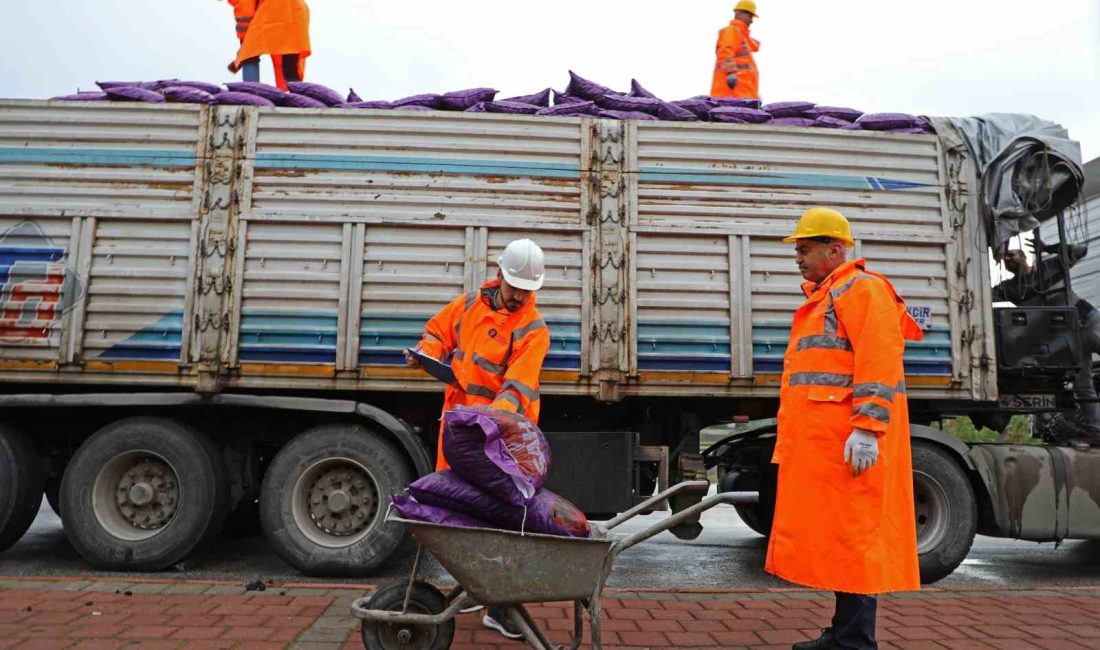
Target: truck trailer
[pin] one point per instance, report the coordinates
(204, 308)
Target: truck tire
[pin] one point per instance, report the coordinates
(142, 494)
(946, 512)
(757, 516)
(22, 480)
(324, 498)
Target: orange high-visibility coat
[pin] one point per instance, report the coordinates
(275, 27)
(496, 355)
(734, 56)
(843, 370)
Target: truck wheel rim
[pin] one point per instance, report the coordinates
(135, 495)
(335, 502)
(933, 511)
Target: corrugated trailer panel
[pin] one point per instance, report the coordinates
(713, 204)
(97, 204)
(427, 203)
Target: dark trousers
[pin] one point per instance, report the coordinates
(854, 622)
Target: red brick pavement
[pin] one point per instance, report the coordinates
(77, 614)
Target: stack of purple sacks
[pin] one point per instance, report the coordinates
(499, 462)
(580, 97)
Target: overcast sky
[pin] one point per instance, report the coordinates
(937, 57)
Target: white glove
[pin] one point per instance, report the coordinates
(861, 451)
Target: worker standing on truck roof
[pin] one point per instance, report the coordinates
(1029, 287)
(735, 71)
(496, 341)
(844, 514)
(278, 28)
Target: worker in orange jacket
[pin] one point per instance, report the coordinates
(735, 72)
(496, 341)
(279, 28)
(844, 515)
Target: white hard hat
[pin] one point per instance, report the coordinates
(522, 265)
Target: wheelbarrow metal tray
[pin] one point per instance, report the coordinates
(503, 567)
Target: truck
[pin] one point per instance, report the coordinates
(204, 310)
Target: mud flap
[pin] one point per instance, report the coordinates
(689, 467)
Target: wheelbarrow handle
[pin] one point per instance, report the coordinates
(654, 500)
(687, 514)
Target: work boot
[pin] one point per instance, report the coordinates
(823, 642)
(497, 618)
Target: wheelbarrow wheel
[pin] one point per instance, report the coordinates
(425, 599)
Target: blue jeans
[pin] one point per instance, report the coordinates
(250, 69)
(854, 622)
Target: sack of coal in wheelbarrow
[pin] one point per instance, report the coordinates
(501, 452)
(410, 508)
(545, 513)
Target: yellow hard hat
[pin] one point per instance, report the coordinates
(747, 5)
(822, 222)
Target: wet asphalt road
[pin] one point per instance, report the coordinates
(727, 554)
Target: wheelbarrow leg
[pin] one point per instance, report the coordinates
(594, 622)
(578, 626)
(526, 624)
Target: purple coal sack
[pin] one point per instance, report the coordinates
(637, 90)
(410, 508)
(477, 108)
(353, 97)
(511, 108)
(460, 100)
(231, 98)
(791, 121)
(373, 104)
(270, 93)
(294, 100)
(188, 95)
(561, 98)
(574, 108)
(699, 107)
(628, 103)
(585, 89)
(146, 85)
(501, 452)
(134, 94)
(676, 113)
(736, 102)
(787, 109)
(323, 94)
(626, 115)
(540, 99)
(836, 112)
(737, 114)
(826, 122)
(545, 513)
(212, 89)
(82, 97)
(427, 100)
(887, 121)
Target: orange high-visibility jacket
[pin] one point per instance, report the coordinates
(496, 355)
(734, 56)
(276, 27)
(843, 370)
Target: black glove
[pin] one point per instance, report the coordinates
(731, 80)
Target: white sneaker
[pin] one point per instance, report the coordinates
(504, 625)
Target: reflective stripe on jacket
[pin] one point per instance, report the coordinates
(243, 11)
(734, 56)
(496, 355)
(277, 27)
(843, 370)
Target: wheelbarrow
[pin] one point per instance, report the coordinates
(507, 569)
